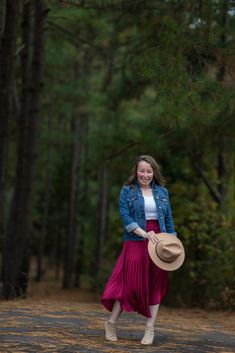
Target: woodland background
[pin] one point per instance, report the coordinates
(85, 87)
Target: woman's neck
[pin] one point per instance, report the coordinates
(146, 187)
(146, 191)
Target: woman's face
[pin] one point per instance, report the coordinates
(144, 173)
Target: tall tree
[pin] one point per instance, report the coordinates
(77, 131)
(71, 239)
(102, 216)
(46, 203)
(16, 257)
(8, 30)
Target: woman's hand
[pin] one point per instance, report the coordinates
(152, 237)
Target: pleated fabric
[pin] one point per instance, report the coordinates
(136, 282)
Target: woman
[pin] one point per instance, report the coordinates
(136, 283)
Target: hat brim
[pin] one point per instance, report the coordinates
(168, 266)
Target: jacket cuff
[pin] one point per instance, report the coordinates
(130, 227)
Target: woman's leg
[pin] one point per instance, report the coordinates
(115, 312)
(149, 328)
(153, 310)
(110, 325)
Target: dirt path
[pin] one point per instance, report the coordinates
(57, 326)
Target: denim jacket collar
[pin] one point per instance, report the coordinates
(153, 184)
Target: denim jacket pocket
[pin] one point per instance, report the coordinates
(163, 203)
(132, 202)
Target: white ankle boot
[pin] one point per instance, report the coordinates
(148, 335)
(110, 331)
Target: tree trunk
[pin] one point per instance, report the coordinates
(221, 166)
(102, 215)
(46, 207)
(103, 172)
(8, 31)
(77, 148)
(16, 266)
(221, 171)
(73, 188)
(83, 201)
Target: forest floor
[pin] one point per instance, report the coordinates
(55, 320)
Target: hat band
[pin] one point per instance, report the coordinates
(173, 258)
(169, 262)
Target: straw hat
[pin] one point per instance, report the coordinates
(168, 254)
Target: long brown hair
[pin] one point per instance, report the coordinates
(157, 176)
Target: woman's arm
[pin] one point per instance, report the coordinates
(127, 220)
(141, 232)
(147, 235)
(170, 228)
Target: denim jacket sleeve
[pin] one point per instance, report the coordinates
(169, 223)
(124, 210)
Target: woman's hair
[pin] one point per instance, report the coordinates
(157, 176)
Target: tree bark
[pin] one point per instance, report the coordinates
(102, 215)
(73, 194)
(8, 31)
(102, 207)
(46, 206)
(83, 200)
(77, 149)
(16, 266)
(221, 166)
(221, 171)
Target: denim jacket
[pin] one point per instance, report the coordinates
(131, 207)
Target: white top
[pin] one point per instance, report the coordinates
(150, 208)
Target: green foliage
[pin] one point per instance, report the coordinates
(162, 97)
(209, 241)
(144, 82)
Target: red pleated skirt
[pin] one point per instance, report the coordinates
(136, 282)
